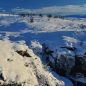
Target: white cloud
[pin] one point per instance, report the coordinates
(63, 10)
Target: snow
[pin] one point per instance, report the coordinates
(55, 32)
(4, 14)
(66, 81)
(14, 69)
(52, 25)
(70, 39)
(82, 80)
(36, 46)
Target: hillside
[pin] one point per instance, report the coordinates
(27, 71)
(23, 40)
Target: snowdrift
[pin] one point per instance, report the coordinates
(28, 71)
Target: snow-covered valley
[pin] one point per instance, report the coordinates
(30, 34)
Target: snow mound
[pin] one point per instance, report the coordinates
(4, 14)
(70, 39)
(26, 70)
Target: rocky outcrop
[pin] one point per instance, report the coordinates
(16, 70)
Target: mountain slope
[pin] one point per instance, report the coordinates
(25, 70)
(20, 64)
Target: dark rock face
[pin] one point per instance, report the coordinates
(69, 48)
(80, 65)
(23, 53)
(65, 64)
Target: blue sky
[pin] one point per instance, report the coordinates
(7, 4)
(77, 6)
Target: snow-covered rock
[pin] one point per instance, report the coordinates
(26, 70)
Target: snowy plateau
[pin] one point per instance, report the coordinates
(42, 50)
